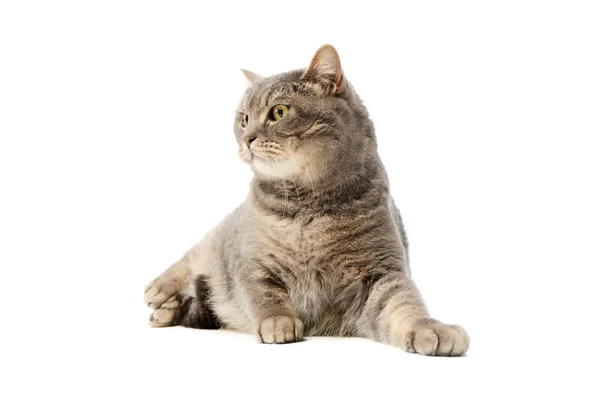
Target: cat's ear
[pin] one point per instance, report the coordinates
(251, 77)
(326, 69)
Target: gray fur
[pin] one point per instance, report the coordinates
(318, 247)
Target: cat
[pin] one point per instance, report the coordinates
(318, 247)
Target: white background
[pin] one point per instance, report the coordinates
(117, 154)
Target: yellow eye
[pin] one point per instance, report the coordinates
(279, 111)
(244, 120)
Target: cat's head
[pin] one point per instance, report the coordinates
(304, 123)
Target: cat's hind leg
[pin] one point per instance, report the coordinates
(168, 284)
(163, 294)
(195, 308)
(166, 315)
(189, 306)
(182, 294)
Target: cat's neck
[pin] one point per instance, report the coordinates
(328, 192)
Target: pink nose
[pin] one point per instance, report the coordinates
(249, 140)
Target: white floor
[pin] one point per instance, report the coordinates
(128, 360)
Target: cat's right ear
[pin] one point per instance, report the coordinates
(326, 69)
(251, 77)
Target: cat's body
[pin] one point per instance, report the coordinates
(318, 247)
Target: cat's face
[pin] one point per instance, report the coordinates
(296, 124)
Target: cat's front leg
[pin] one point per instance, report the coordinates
(430, 337)
(395, 313)
(268, 301)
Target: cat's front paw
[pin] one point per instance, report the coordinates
(280, 329)
(432, 338)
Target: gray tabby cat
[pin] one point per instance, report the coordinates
(318, 247)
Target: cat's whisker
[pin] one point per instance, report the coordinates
(314, 128)
(269, 151)
(331, 127)
(297, 192)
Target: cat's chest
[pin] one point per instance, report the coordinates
(311, 256)
(302, 241)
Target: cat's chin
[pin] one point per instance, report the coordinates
(284, 168)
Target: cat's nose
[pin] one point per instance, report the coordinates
(249, 140)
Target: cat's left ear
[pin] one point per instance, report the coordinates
(326, 69)
(251, 77)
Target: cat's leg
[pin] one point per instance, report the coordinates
(165, 315)
(275, 320)
(168, 284)
(182, 295)
(163, 294)
(188, 306)
(394, 313)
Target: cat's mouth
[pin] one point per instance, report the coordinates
(266, 158)
(267, 152)
(270, 161)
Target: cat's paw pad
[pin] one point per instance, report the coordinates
(166, 314)
(157, 293)
(432, 338)
(280, 329)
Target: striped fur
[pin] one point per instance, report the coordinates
(318, 247)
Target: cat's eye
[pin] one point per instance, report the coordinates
(278, 112)
(244, 120)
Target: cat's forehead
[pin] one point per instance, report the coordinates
(266, 90)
